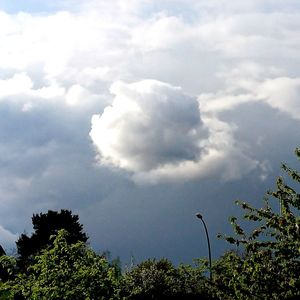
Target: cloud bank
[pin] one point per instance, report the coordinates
(76, 60)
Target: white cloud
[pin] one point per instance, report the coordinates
(149, 124)
(113, 41)
(76, 94)
(157, 132)
(282, 93)
(20, 83)
(20, 89)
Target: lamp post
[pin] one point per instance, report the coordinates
(199, 216)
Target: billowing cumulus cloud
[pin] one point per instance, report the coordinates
(148, 125)
(157, 132)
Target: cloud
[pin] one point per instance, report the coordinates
(20, 83)
(219, 54)
(282, 93)
(149, 124)
(157, 132)
(7, 238)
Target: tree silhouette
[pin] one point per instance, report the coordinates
(2, 252)
(46, 225)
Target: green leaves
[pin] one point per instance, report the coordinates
(269, 267)
(67, 271)
(159, 279)
(45, 225)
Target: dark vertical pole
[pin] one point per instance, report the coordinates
(199, 216)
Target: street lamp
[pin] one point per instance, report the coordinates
(199, 216)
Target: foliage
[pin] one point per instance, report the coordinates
(221, 286)
(8, 272)
(8, 268)
(67, 271)
(270, 265)
(191, 283)
(45, 225)
(159, 279)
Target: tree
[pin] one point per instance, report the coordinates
(150, 279)
(159, 279)
(8, 273)
(191, 283)
(269, 267)
(45, 225)
(67, 271)
(2, 252)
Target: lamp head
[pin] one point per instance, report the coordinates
(199, 216)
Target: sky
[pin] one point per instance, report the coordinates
(136, 115)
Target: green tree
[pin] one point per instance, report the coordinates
(67, 271)
(159, 279)
(221, 287)
(269, 267)
(45, 225)
(191, 283)
(8, 273)
(150, 279)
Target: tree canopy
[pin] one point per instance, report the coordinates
(159, 279)
(66, 271)
(45, 225)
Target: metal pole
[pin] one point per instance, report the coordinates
(199, 216)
